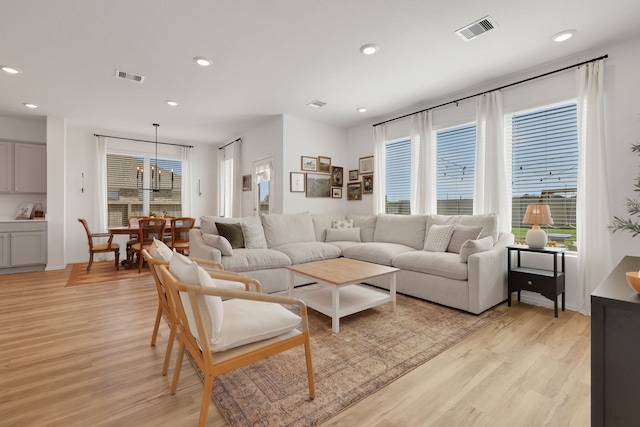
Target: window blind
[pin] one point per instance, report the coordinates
(398, 177)
(456, 148)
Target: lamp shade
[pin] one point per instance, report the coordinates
(537, 214)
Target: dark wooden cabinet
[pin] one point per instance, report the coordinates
(549, 283)
(615, 349)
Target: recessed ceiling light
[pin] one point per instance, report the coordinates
(361, 110)
(369, 49)
(10, 70)
(563, 36)
(29, 105)
(317, 103)
(172, 103)
(202, 61)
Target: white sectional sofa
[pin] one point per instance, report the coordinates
(458, 261)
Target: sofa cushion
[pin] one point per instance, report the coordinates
(218, 242)
(231, 232)
(488, 222)
(343, 235)
(255, 259)
(342, 223)
(471, 247)
(377, 252)
(280, 229)
(208, 222)
(366, 224)
(343, 245)
(462, 233)
(253, 236)
(300, 253)
(408, 230)
(444, 264)
(323, 221)
(438, 238)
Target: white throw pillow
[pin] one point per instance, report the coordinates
(188, 272)
(219, 243)
(438, 238)
(343, 235)
(254, 236)
(462, 233)
(342, 223)
(471, 247)
(159, 250)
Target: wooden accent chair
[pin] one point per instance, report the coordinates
(158, 256)
(96, 248)
(220, 346)
(148, 229)
(180, 233)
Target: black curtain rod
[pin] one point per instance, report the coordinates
(499, 88)
(144, 140)
(232, 142)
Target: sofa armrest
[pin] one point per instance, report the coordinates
(487, 275)
(199, 249)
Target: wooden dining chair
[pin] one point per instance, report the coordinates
(157, 256)
(133, 221)
(218, 345)
(96, 248)
(180, 233)
(148, 229)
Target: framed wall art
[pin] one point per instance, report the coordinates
(366, 165)
(324, 164)
(309, 164)
(336, 192)
(337, 176)
(297, 182)
(353, 174)
(354, 191)
(25, 211)
(367, 184)
(246, 182)
(318, 185)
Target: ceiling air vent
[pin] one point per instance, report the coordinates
(317, 103)
(481, 26)
(129, 76)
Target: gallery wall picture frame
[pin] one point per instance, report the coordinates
(246, 182)
(337, 176)
(336, 192)
(324, 164)
(367, 184)
(353, 174)
(318, 185)
(366, 165)
(297, 181)
(308, 163)
(354, 191)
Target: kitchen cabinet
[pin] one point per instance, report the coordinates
(23, 246)
(23, 167)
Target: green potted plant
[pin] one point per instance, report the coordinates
(633, 208)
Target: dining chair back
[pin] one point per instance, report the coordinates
(148, 229)
(95, 247)
(180, 233)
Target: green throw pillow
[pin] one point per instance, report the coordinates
(233, 233)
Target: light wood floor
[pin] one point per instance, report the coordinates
(80, 356)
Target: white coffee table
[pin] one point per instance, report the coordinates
(341, 293)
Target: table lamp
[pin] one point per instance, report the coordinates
(536, 215)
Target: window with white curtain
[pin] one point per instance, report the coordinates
(544, 144)
(263, 191)
(129, 177)
(456, 148)
(398, 177)
(227, 187)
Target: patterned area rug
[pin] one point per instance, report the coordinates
(101, 272)
(373, 348)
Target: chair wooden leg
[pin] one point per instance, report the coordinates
(176, 371)
(206, 400)
(310, 378)
(90, 262)
(156, 326)
(140, 261)
(117, 253)
(167, 356)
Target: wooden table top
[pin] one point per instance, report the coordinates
(339, 271)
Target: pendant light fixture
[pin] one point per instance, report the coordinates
(156, 172)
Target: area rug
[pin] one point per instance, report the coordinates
(372, 349)
(101, 272)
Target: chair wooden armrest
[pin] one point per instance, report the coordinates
(235, 277)
(204, 263)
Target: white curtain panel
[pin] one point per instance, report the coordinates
(492, 192)
(379, 175)
(424, 197)
(592, 211)
(237, 180)
(101, 192)
(186, 181)
(221, 182)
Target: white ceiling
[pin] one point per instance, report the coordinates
(273, 57)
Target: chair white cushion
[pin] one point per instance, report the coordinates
(159, 250)
(247, 321)
(190, 273)
(438, 238)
